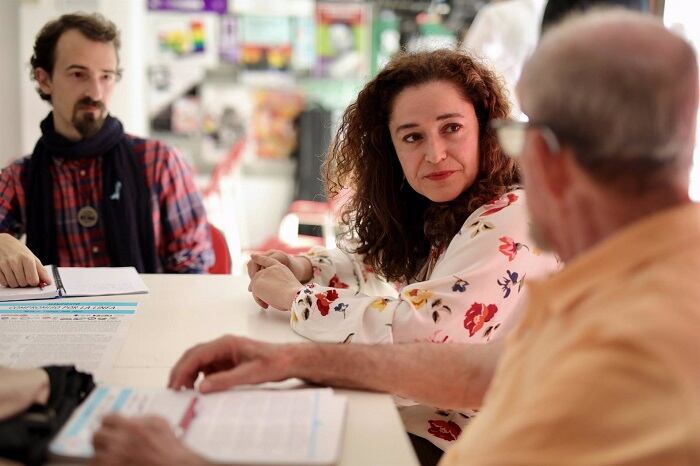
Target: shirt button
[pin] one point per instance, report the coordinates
(82, 172)
(95, 249)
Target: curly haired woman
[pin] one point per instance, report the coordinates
(436, 213)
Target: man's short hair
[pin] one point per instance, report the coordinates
(94, 26)
(556, 10)
(624, 105)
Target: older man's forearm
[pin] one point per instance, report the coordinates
(417, 371)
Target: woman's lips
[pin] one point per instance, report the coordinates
(439, 176)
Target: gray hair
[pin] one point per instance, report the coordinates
(620, 90)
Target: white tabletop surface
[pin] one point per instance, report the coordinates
(183, 310)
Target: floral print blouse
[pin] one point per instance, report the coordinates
(474, 289)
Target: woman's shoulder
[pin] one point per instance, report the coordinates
(508, 206)
(505, 214)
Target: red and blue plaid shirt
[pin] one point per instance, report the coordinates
(179, 221)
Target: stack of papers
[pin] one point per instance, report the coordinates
(286, 427)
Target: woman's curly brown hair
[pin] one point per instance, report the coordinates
(389, 223)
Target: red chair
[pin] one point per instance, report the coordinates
(222, 255)
(300, 212)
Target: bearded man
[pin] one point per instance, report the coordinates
(91, 195)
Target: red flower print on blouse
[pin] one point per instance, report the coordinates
(477, 316)
(499, 204)
(367, 270)
(336, 283)
(510, 248)
(446, 430)
(324, 300)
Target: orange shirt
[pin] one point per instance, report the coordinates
(604, 369)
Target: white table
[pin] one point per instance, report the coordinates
(182, 310)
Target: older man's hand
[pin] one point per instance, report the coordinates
(147, 441)
(229, 361)
(18, 266)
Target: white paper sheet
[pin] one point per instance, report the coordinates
(75, 439)
(80, 281)
(300, 427)
(33, 292)
(88, 335)
(100, 281)
(286, 427)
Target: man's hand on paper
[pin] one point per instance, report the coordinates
(18, 266)
(229, 361)
(147, 441)
(274, 284)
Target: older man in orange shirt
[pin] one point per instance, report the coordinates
(604, 369)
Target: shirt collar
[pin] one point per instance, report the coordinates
(642, 242)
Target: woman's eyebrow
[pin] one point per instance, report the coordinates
(444, 116)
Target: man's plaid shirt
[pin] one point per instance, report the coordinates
(179, 221)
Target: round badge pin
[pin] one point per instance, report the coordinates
(87, 216)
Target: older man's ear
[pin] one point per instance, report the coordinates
(554, 167)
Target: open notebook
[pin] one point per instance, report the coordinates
(80, 281)
(284, 427)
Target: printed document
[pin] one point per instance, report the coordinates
(243, 426)
(86, 334)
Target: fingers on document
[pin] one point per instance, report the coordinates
(31, 273)
(44, 276)
(104, 437)
(215, 357)
(121, 440)
(240, 375)
(154, 424)
(251, 372)
(252, 363)
(196, 359)
(8, 275)
(183, 374)
(23, 271)
(113, 421)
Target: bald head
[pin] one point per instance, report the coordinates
(622, 91)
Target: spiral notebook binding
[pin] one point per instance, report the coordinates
(59, 283)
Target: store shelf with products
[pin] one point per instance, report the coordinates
(228, 104)
(275, 74)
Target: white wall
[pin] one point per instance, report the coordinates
(683, 16)
(10, 110)
(129, 101)
(129, 96)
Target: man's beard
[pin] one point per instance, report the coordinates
(88, 124)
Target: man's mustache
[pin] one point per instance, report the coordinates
(88, 102)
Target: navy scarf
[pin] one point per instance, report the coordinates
(125, 209)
